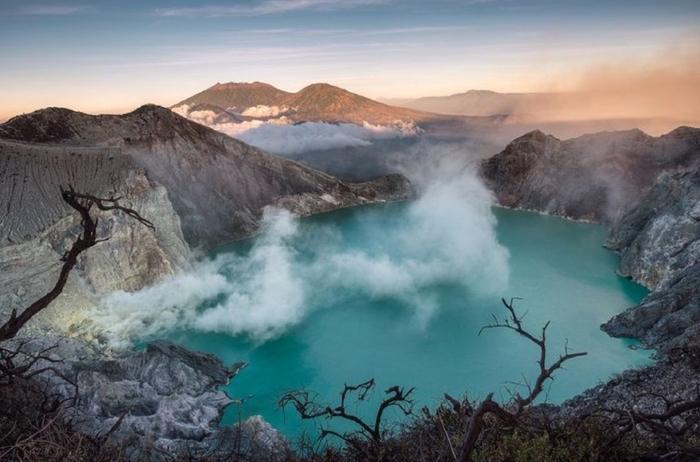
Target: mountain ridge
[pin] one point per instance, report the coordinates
(317, 102)
(196, 164)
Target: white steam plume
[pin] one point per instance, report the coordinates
(446, 236)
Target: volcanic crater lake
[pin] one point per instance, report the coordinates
(558, 268)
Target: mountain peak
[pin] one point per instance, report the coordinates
(238, 96)
(151, 109)
(480, 92)
(232, 85)
(534, 135)
(684, 131)
(43, 125)
(322, 86)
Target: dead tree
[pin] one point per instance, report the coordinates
(31, 417)
(83, 204)
(372, 432)
(510, 413)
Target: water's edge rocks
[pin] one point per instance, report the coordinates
(659, 244)
(161, 401)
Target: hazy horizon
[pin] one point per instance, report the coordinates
(102, 56)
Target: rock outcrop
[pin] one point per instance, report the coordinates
(37, 227)
(166, 399)
(659, 244)
(594, 177)
(676, 379)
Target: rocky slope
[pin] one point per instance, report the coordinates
(659, 244)
(36, 227)
(166, 399)
(217, 185)
(595, 177)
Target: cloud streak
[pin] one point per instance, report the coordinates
(267, 7)
(52, 10)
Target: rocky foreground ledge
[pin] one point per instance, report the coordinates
(161, 401)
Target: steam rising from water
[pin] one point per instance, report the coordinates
(447, 236)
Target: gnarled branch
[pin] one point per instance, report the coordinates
(83, 204)
(474, 419)
(306, 406)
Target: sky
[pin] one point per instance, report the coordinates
(113, 56)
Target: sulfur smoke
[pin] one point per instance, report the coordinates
(446, 236)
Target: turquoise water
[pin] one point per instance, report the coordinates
(559, 268)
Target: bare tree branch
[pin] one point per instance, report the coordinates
(511, 413)
(82, 203)
(396, 397)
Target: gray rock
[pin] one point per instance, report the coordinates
(37, 228)
(659, 243)
(637, 389)
(593, 177)
(168, 398)
(217, 185)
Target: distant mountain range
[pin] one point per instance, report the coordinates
(318, 102)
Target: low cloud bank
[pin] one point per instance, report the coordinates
(447, 236)
(314, 136)
(277, 134)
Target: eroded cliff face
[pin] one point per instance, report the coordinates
(594, 177)
(37, 228)
(659, 245)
